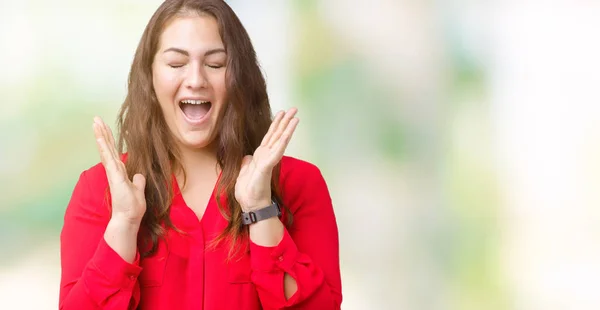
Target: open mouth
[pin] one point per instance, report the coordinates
(195, 110)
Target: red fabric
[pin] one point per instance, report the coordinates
(185, 273)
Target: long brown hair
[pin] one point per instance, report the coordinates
(151, 149)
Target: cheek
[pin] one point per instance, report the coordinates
(219, 86)
(165, 85)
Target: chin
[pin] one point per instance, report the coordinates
(195, 140)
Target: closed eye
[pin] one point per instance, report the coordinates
(215, 66)
(175, 65)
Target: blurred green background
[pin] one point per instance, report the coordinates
(460, 139)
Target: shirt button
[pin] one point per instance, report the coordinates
(280, 258)
(132, 278)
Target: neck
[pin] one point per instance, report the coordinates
(198, 163)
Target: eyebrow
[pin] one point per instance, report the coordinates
(184, 52)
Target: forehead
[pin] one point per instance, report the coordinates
(194, 33)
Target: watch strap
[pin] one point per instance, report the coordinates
(261, 214)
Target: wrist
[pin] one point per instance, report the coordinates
(125, 222)
(121, 236)
(267, 233)
(123, 227)
(260, 214)
(256, 205)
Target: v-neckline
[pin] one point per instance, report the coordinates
(208, 204)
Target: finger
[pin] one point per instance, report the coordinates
(110, 166)
(113, 169)
(99, 144)
(102, 129)
(139, 181)
(111, 137)
(285, 138)
(245, 163)
(282, 126)
(277, 130)
(272, 128)
(107, 137)
(112, 145)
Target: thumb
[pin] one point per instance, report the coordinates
(139, 181)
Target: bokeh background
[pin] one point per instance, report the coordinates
(460, 139)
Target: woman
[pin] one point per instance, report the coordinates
(203, 211)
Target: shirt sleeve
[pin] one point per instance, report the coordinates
(308, 252)
(93, 275)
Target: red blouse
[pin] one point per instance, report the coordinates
(184, 273)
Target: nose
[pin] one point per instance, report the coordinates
(195, 77)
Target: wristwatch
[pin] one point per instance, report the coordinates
(261, 214)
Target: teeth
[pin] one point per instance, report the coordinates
(193, 101)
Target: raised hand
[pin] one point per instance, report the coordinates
(253, 186)
(128, 200)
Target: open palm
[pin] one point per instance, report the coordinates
(128, 200)
(253, 185)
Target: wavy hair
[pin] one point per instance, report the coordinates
(150, 146)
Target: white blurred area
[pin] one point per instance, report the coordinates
(542, 62)
(546, 112)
